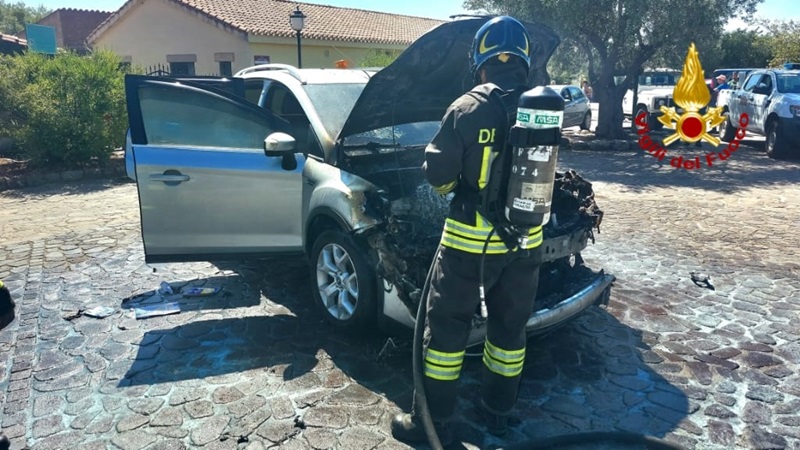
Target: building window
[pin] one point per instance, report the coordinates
(225, 69)
(181, 68)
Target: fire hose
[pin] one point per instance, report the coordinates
(421, 402)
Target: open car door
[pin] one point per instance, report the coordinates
(207, 191)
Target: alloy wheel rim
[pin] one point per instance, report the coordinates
(337, 281)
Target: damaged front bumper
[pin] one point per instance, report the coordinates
(543, 320)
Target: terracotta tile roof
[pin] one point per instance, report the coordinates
(323, 22)
(73, 26)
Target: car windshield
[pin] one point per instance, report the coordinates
(405, 135)
(333, 103)
(658, 79)
(789, 83)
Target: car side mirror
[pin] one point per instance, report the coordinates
(283, 145)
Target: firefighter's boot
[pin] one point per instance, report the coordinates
(409, 429)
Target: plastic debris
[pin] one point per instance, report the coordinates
(200, 292)
(163, 309)
(702, 280)
(165, 289)
(99, 312)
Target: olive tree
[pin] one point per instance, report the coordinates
(619, 36)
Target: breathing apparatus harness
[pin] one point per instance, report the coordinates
(519, 190)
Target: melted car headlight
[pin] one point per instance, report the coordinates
(795, 109)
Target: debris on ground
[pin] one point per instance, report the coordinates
(72, 316)
(200, 292)
(99, 312)
(165, 289)
(164, 309)
(701, 279)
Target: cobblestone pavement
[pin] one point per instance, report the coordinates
(256, 367)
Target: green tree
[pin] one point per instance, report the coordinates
(783, 40)
(619, 36)
(14, 16)
(743, 48)
(568, 64)
(379, 57)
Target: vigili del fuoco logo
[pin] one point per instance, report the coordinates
(689, 122)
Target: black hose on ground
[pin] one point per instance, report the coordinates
(421, 402)
(420, 399)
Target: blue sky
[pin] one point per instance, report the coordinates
(439, 9)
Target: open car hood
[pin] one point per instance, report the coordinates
(430, 74)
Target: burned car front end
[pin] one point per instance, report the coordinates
(388, 205)
(411, 217)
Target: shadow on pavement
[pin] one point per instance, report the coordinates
(640, 171)
(594, 374)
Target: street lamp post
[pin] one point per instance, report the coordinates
(296, 20)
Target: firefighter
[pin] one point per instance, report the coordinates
(458, 160)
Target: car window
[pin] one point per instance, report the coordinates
(577, 94)
(252, 90)
(767, 81)
(284, 104)
(789, 83)
(333, 103)
(565, 95)
(405, 135)
(197, 118)
(751, 82)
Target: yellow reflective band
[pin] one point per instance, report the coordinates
(445, 188)
(478, 234)
(470, 246)
(502, 355)
(488, 157)
(443, 358)
(506, 370)
(1, 283)
(442, 373)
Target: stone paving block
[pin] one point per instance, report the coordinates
(209, 429)
(133, 440)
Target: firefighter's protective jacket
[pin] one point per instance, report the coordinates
(458, 160)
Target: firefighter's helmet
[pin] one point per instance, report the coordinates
(501, 37)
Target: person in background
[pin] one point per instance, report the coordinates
(587, 90)
(722, 83)
(734, 83)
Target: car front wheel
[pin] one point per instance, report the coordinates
(344, 283)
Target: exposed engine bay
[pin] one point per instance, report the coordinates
(413, 216)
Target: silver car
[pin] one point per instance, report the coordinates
(326, 163)
(577, 108)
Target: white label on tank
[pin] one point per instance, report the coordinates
(539, 118)
(524, 204)
(541, 154)
(535, 191)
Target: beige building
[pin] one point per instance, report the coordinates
(223, 36)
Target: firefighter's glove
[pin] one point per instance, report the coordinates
(445, 188)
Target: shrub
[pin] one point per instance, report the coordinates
(65, 110)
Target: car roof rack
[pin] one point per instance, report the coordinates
(292, 70)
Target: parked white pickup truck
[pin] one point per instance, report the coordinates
(771, 100)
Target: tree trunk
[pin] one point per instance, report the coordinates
(610, 117)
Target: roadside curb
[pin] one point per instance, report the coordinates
(114, 169)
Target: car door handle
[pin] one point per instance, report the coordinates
(169, 178)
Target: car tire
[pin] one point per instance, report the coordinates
(727, 132)
(654, 123)
(587, 121)
(343, 282)
(776, 145)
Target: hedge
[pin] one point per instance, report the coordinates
(64, 110)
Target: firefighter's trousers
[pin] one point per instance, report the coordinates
(510, 281)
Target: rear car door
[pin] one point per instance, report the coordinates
(569, 109)
(206, 189)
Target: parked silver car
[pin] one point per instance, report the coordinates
(577, 108)
(338, 179)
